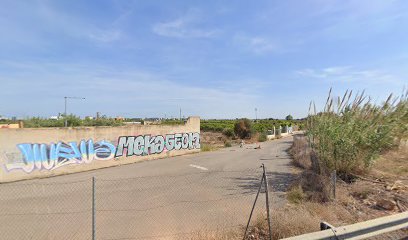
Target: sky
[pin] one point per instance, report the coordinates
(213, 59)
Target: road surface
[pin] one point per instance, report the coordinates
(158, 199)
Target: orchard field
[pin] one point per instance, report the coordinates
(261, 126)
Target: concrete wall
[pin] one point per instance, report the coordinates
(41, 152)
(270, 137)
(10, 125)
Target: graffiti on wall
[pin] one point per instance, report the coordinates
(53, 156)
(146, 145)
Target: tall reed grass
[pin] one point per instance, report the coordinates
(351, 131)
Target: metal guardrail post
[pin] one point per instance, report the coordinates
(267, 201)
(93, 209)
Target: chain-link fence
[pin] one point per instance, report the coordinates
(46, 210)
(189, 206)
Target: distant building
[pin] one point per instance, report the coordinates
(54, 117)
(151, 121)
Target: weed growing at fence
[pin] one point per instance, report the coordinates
(300, 152)
(207, 148)
(227, 144)
(350, 133)
(295, 194)
(262, 137)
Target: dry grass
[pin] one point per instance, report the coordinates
(207, 148)
(361, 191)
(316, 188)
(305, 218)
(300, 152)
(286, 222)
(218, 234)
(393, 163)
(295, 194)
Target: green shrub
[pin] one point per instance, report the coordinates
(261, 125)
(228, 132)
(262, 137)
(348, 136)
(72, 121)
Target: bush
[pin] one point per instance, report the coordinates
(228, 132)
(262, 137)
(262, 125)
(227, 144)
(348, 136)
(295, 194)
(72, 121)
(243, 128)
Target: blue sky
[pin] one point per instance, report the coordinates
(214, 59)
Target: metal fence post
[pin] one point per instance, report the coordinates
(267, 201)
(93, 209)
(253, 206)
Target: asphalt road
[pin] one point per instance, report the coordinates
(159, 199)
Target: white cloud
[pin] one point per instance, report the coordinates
(105, 36)
(348, 74)
(256, 44)
(184, 27)
(261, 45)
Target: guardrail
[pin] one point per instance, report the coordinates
(360, 230)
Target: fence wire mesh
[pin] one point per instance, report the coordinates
(46, 210)
(189, 206)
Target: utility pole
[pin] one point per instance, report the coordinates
(256, 114)
(65, 112)
(180, 115)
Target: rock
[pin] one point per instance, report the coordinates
(398, 185)
(367, 202)
(386, 204)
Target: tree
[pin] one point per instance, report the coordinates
(243, 128)
(289, 117)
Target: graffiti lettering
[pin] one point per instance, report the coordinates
(146, 145)
(53, 156)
